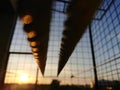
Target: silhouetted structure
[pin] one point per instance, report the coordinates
(95, 61)
(79, 16)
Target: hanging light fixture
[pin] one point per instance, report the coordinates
(31, 34)
(27, 19)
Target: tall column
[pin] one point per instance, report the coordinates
(7, 23)
(93, 58)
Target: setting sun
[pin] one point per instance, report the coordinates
(24, 78)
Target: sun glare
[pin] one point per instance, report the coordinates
(24, 78)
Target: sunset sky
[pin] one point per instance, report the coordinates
(79, 68)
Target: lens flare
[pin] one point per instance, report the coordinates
(23, 78)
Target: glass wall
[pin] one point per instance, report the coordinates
(79, 69)
(106, 40)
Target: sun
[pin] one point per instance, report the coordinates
(23, 78)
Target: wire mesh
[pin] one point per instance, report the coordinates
(105, 34)
(79, 69)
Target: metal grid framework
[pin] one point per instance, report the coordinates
(79, 69)
(106, 40)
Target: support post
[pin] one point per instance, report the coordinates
(93, 58)
(7, 23)
(36, 82)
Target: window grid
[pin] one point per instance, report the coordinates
(79, 68)
(106, 45)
